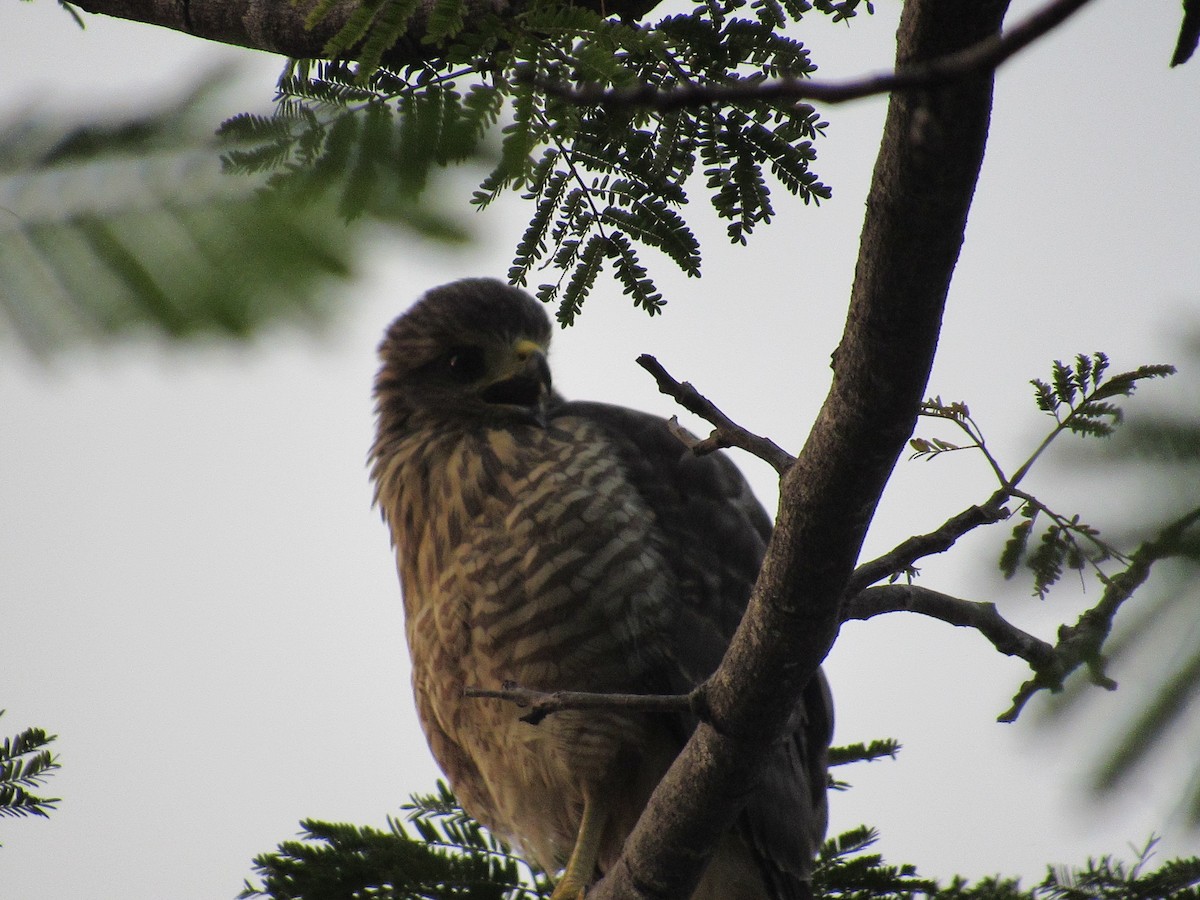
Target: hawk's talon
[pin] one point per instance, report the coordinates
(565, 891)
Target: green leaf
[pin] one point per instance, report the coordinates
(445, 20)
(1064, 384)
(617, 169)
(357, 24)
(97, 243)
(389, 24)
(1015, 547)
(853, 753)
(25, 764)
(591, 259)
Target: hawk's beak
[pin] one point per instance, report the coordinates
(526, 381)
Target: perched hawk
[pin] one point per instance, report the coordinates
(570, 546)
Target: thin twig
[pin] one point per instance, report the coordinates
(726, 432)
(983, 57)
(957, 414)
(543, 703)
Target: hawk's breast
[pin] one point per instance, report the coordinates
(528, 557)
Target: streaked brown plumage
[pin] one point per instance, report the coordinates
(569, 546)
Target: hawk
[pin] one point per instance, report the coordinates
(578, 546)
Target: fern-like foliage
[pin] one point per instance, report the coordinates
(1065, 543)
(853, 753)
(845, 870)
(606, 181)
(109, 229)
(1077, 395)
(25, 764)
(1109, 878)
(1163, 453)
(439, 853)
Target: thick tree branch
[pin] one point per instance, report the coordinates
(985, 56)
(726, 432)
(916, 214)
(278, 26)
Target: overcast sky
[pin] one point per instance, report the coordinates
(197, 597)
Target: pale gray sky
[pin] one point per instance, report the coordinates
(198, 599)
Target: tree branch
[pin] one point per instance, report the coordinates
(1080, 644)
(983, 617)
(543, 703)
(916, 212)
(922, 545)
(982, 57)
(726, 432)
(278, 26)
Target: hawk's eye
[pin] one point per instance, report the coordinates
(463, 364)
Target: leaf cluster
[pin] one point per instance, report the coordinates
(25, 764)
(1077, 395)
(1065, 543)
(956, 412)
(130, 226)
(885, 748)
(1161, 451)
(606, 181)
(853, 753)
(443, 853)
(847, 872)
(440, 853)
(1109, 878)
(334, 140)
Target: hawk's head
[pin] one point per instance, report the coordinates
(473, 350)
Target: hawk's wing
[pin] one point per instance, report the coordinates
(713, 533)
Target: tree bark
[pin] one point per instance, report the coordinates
(921, 191)
(278, 26)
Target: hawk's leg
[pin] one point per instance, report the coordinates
(582, 864)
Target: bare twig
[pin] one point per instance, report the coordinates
(543, 703)
(919, 546)
(983, 57)
(726, 432)
(983, 617)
